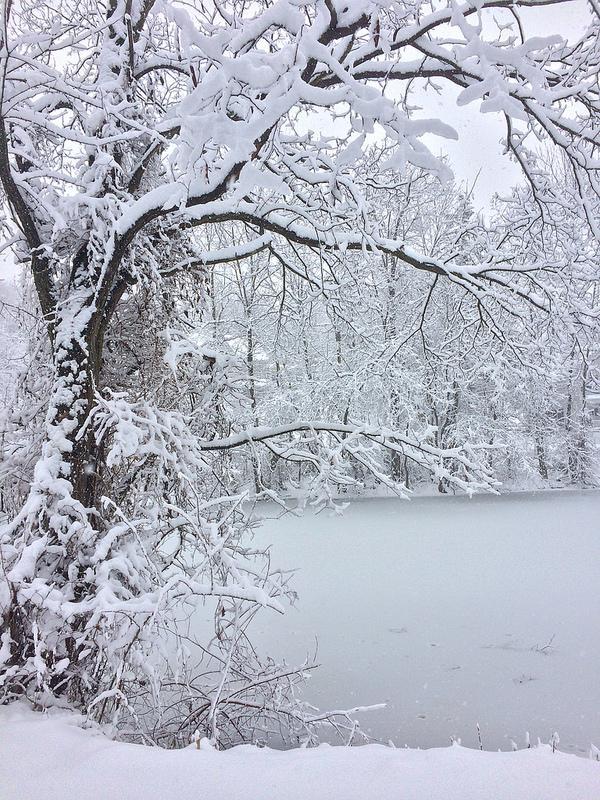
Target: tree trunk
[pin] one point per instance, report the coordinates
(540, 452)
(397, 466)
(78, 355)
(252, 393)
(56, 532)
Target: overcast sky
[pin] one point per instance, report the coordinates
(478, 149)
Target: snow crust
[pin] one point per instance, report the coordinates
(49, 756)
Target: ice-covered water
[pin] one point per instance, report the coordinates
(454, 611)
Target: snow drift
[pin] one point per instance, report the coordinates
(50, 756)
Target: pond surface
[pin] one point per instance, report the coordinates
(454, 611)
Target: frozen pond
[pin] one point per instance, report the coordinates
(454, 611)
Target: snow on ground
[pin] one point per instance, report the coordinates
(455, 611)
(48, 757)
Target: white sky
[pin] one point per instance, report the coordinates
(478, 149)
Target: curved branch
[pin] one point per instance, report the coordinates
(40, 263)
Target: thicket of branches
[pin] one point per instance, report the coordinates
(369, 343)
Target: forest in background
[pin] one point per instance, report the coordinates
(326, 348)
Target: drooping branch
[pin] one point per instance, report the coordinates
(419, 451)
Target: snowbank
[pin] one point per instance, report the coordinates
(50, 757)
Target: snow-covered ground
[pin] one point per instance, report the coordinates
(454, 611)
(49, 758)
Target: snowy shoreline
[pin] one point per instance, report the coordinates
(49, 756)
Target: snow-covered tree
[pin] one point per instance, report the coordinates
(131, 131)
